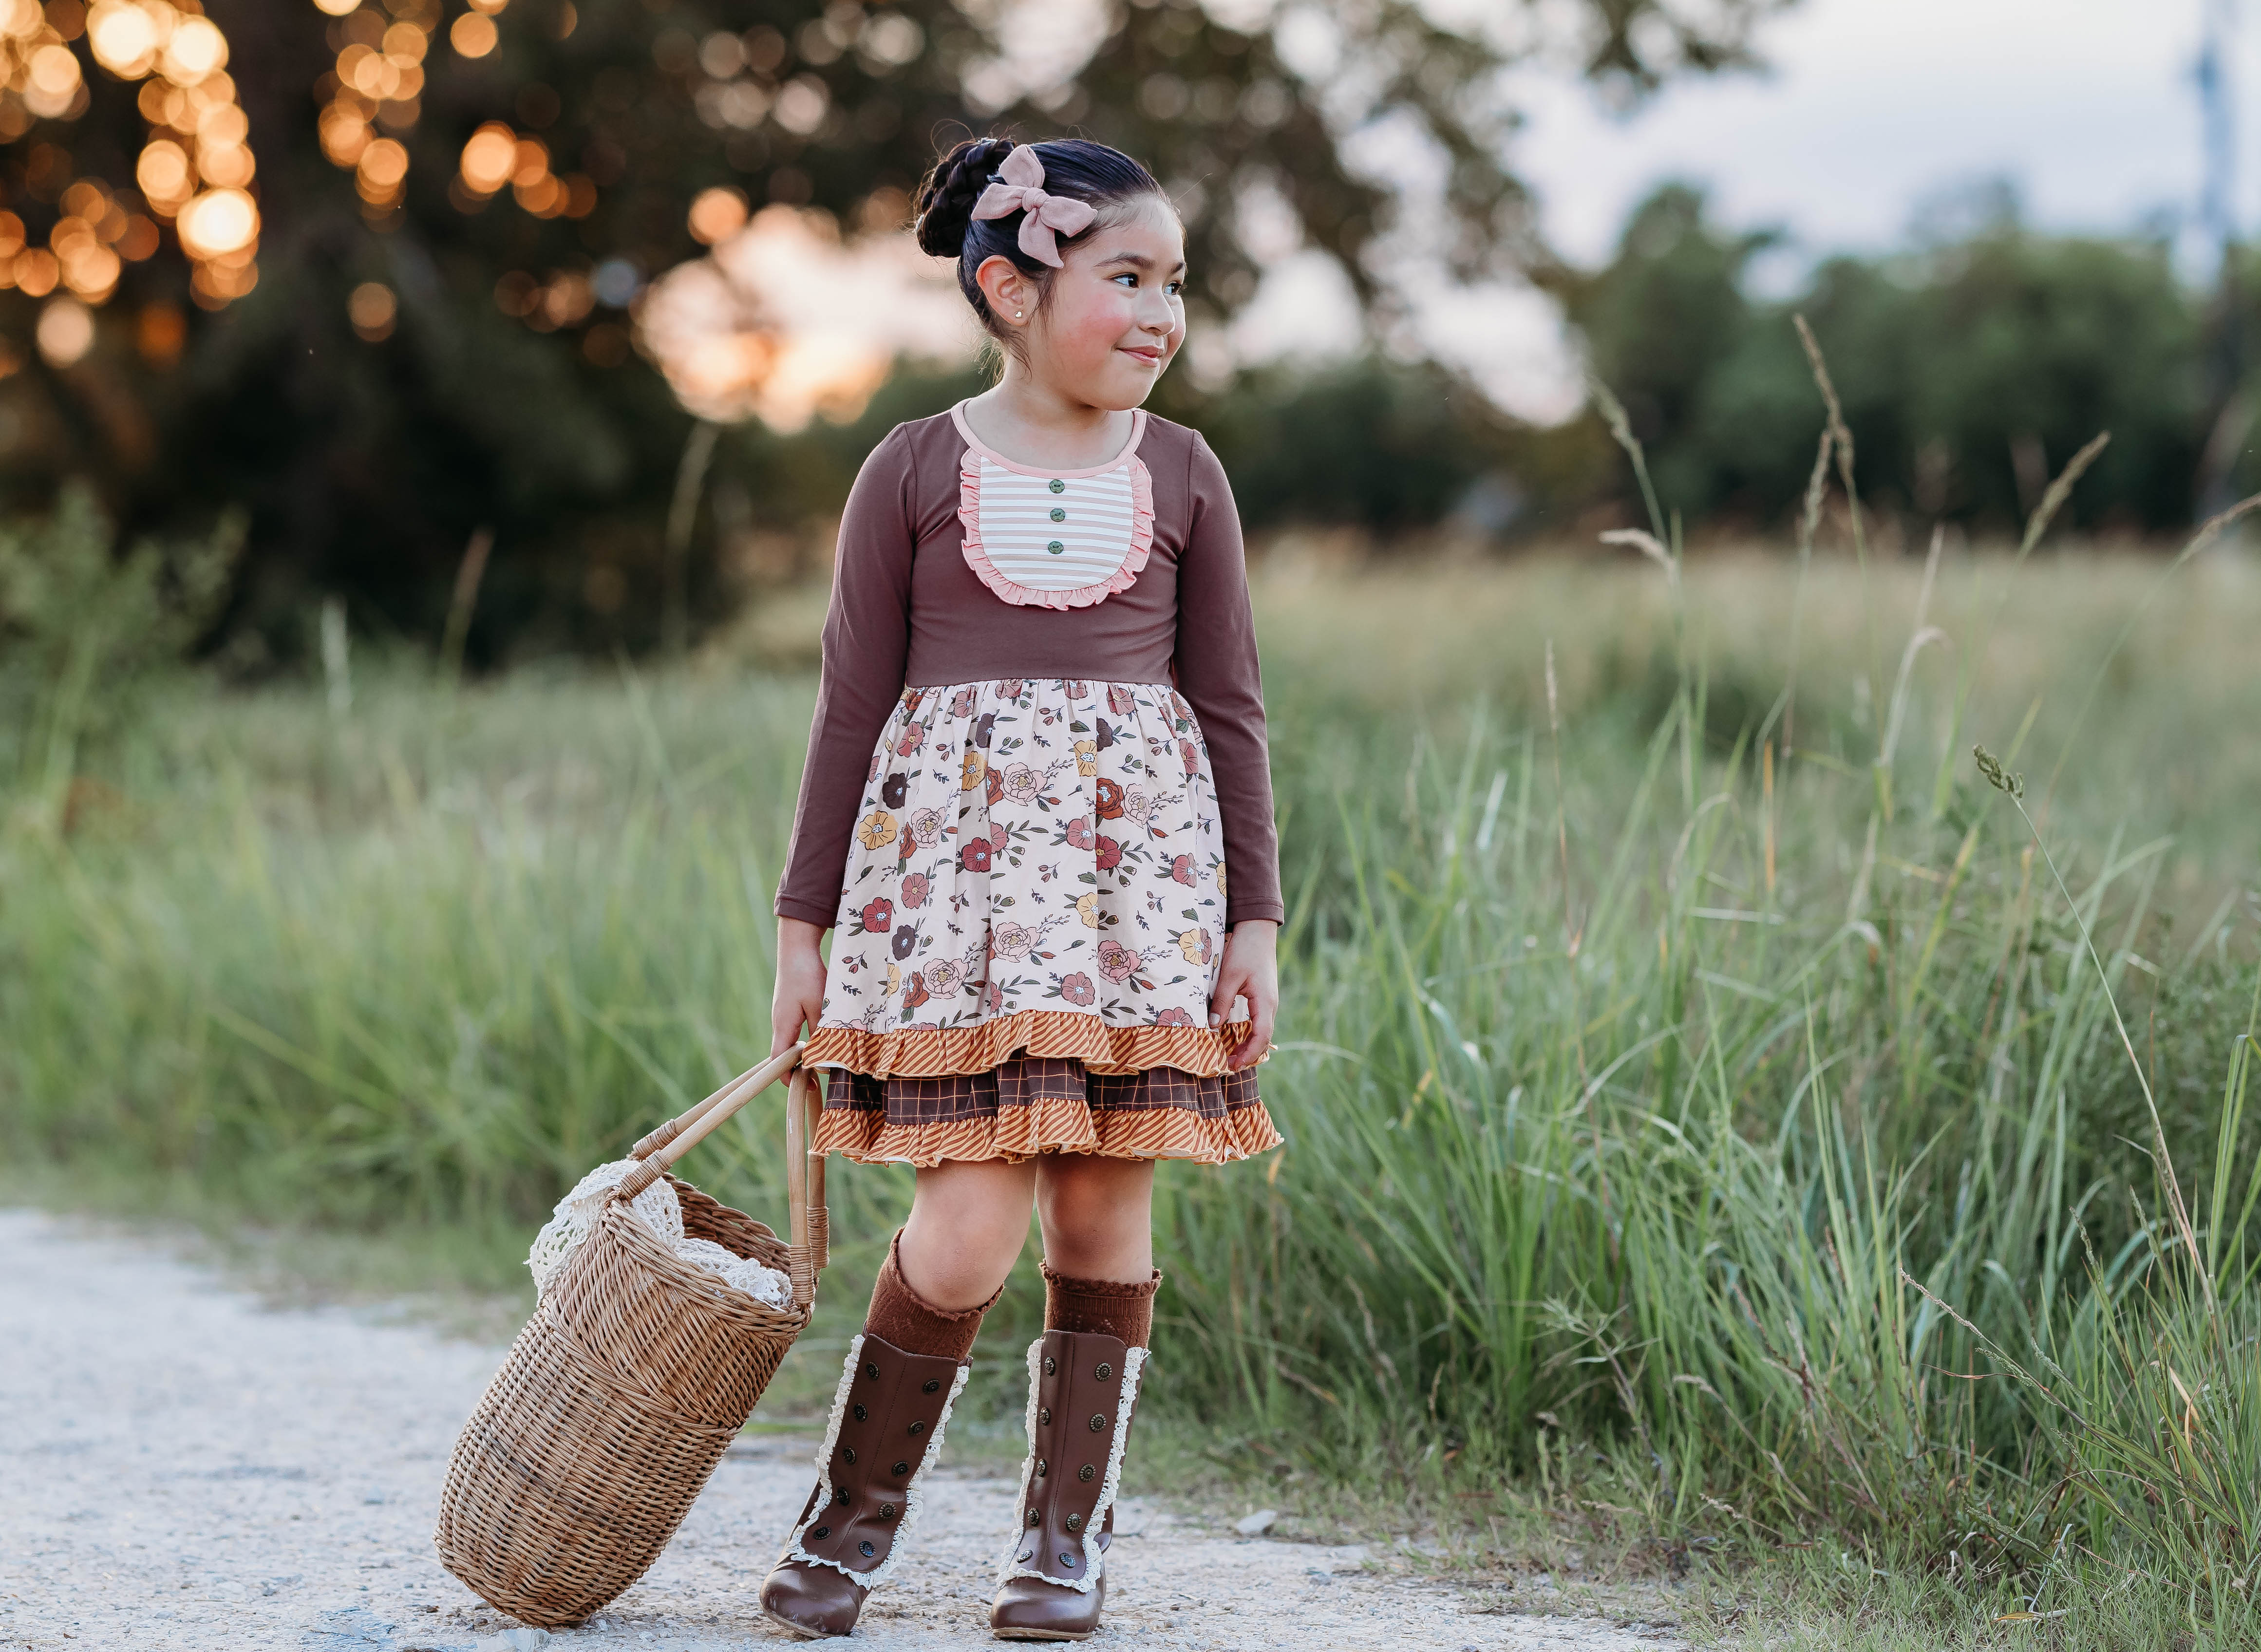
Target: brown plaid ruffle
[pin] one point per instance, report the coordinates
(1080, 1034)
(1030, 1104)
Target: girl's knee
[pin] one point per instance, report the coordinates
(1097, 1218)
(1083, 1205)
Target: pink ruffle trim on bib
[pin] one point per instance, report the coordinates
(985, 570)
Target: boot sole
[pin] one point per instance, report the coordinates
(799, 1629)
(1044, 1634)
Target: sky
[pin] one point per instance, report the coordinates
(1867, 109)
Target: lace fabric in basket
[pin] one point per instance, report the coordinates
(577, 1215)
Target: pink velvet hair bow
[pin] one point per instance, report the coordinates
(1020, 188)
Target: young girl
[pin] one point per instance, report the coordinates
(1038, 811)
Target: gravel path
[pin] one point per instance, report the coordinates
(182, 1468)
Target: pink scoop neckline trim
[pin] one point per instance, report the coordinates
(1130, 447)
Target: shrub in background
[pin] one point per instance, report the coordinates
(87, 633)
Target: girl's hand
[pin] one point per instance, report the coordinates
(798, 999)
(1250, 969)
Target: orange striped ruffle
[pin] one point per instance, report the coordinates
(1051, 1123)
(926, 1052)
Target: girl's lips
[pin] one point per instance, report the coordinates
(1152, 357)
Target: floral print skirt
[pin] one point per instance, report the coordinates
(1029, 931)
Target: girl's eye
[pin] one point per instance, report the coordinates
(1127, 275)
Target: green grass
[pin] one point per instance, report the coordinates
(1712, 1146)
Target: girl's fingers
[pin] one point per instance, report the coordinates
(1256, 1040)
(1254, 983)
(1260, 1039)
(1253, 1035)
(1230, 984)
(1263, 1011)
(786, 1021)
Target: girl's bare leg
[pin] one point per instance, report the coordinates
(967, 1226)
(1098, 1215)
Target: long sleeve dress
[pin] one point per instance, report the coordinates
(1036, 798)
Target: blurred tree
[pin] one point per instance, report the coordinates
(1367, 443)
(1661, 321)
(456, 208)
(2021, 347)
(1972, 366)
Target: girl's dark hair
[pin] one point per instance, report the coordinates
(1073, 167)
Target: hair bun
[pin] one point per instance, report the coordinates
(946, 199)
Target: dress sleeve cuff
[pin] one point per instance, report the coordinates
(1268, 911)
(806, 911)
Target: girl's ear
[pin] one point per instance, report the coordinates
(1011, 293)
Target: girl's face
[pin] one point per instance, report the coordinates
(1115, 314)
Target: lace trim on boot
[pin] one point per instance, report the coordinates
(913, 1495)
(1095, 1561)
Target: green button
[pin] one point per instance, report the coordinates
(1058, 515)
(1056, 485)
(1056, 547)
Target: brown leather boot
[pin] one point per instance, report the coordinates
(885, 1430)
(1083, 1386)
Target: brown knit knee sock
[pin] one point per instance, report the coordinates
(901, 1316)
(1100, 1305)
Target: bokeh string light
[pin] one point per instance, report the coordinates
(495, 158)
(371, 308)
(377, 88)
(722, 347)
(374, 94)
(195, 171)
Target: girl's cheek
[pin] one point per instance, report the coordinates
(1104, 326)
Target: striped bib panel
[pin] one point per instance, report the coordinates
(1055, 533)
(1055, 541)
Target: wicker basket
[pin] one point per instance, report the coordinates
(634, 1373)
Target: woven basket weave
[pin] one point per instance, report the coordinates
(634, 1374)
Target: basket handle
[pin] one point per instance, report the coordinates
(682, 1122)
(810, 1244)
(809, 1241)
